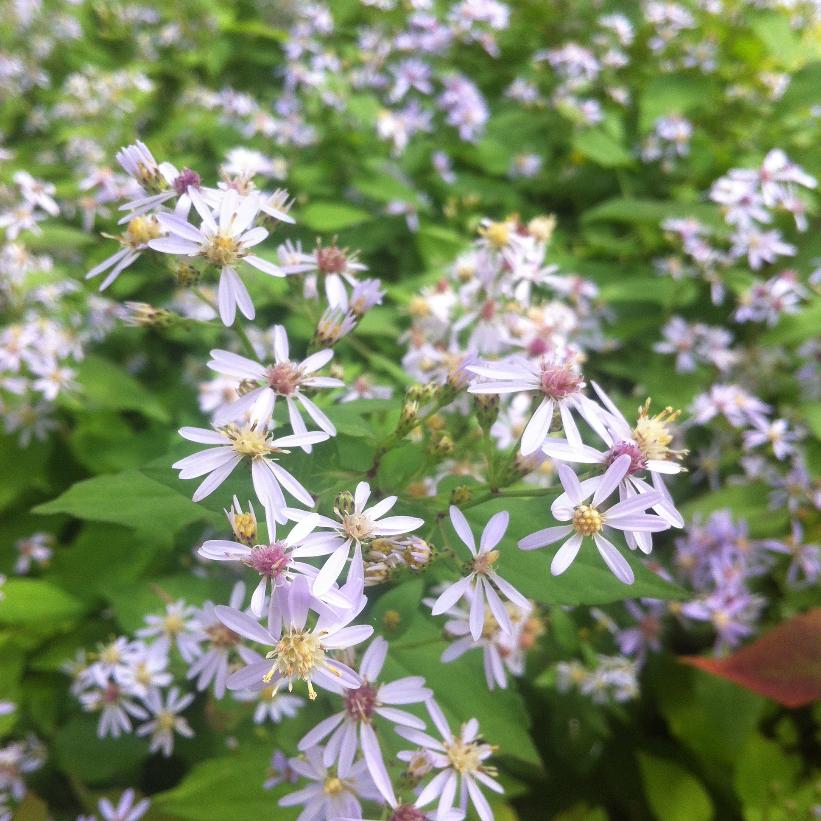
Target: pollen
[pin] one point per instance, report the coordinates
(221, 249)
(464, 756)
(653, 434)
(497, 234)
(297, 655)
(140, 230)
(248, 441)
(587, 520)
(245, 527)
(333, 785)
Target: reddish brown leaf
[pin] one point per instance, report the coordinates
(784, 664)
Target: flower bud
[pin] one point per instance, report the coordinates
(460, 495)
(187, 275)
(145, 315)
(487, 409)
(344, 503)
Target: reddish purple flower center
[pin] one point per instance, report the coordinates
(331, 260)
(560, 381)
(407, 812)
(283, 378)
(269, 559)
(488, 310)
(637, 460)
(360, 703)
(186, 179)
(538, 346)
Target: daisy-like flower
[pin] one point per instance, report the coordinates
(353, 728)
(221, 648)
(165, 720)
(224, 242)
(336, 267)
(232, 445)
(461, 760)
(126, 809)
(264, 383)
(560, 384)
(116, 708)
(270, 707)
(502, 652)
(648, 446)
(299, 653)
(590, 520)
(356, 525)
(134, 241)
(329, 795)
(272, 561)
(482, 580)
(178, 625)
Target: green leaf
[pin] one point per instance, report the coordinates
(710, 716)
(672, 792)
(745, 501)
(764, 776)
(349, 422)
(31, 601)
(129, 498)
(226, 789)
(28, 470)
(331, 216)
(108, 386)
(602, 148)
(629, 210)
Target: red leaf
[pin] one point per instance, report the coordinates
(784, 664)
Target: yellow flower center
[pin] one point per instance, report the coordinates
(653, 433)
(297, 655)
(249, 441)
(166, 720)
(464, 756)
(245, 527)
(173, 624)
(140, 230)
(333, 786)
(221, 249)
(587, 520)
(497, 234)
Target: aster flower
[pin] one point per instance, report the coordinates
(371, 703)
(502, 652)
(134, 241)
(222, 646)
(116, 707)
(590, 520)
(356, 525)
(273, 562)
(232, 445)
(283, 378)
(461, 761)
(482, 580)
(178, 625)
(560, 384)
(126, 809)
(805, 559)
(165, 719)
(329, 795)
(300, 653)
(224, 242)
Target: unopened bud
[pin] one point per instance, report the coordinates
(417, 553)
(487, 409)
(408, 417)
(460, 495)
(442, 445)
(344, 503)
(145, 315)
(187, 275)
(391, 621)
(336, 371)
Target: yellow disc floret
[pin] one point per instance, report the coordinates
(587, 520)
